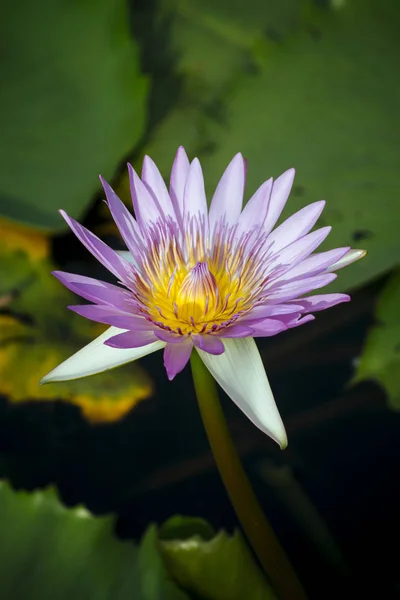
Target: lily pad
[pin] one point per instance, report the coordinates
(323, 99)
(38, 332)
(215, 568)
(380, 359)
(72, 104)
(48, 551)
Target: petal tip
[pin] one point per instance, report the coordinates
(283, 444)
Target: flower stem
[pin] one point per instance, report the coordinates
(254, 523)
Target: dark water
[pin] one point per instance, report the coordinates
(334, 488)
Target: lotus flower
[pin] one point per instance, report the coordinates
(204, 279)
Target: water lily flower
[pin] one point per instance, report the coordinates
(204, 279)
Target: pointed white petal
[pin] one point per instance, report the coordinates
(240, 372)
(96, 357)
(346, 260)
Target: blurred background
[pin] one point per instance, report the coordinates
(310, 84)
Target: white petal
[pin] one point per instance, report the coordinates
(241, 374)
(96, 357)
(346, 260)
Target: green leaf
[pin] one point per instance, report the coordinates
(324, 100)
(220, 568)
(41, 332)
(380, 359)
(179, 527)
(51, 552)
(72, 104)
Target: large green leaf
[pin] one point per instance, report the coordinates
(71, 104)
(216, 567)
(380, 359)
(53, 553)
(325, 100)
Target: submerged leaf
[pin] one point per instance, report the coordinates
(72, 104)
(380, 358)
(323, 100)
(216, 568)
(49, 551)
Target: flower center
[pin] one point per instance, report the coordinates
(187, 286)
(196, 294)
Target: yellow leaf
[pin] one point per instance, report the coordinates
(41, 332)
(19, 237)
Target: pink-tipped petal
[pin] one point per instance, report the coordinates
(179, 173)
(111, 316)
(208, 343)
(314, 265)
(297, 251)
(255, 211)
(279, 195)
(147, 208)
(268, 328)
(127, 226)
(131, 339)
(263, 311)
(300, 321)
(228, 198)
(152, 177)
(296, 226)
(95, 290)
(294, 289)
(104, 254)
(168, 336)
(236, 330)
(195, 201)
(176, 357)
(320, 302)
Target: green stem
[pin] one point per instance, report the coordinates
(254, 523)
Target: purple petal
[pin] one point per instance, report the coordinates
(125, 222)
(228, 198)
(296, 226)
(169, 336)
(147, 208)
(314, 265)
(279, 195)
(293, 289)
(269, 310)
(300, 321)
(179, 173)
(268, 327)
(95, 290)
(236, 330)
(255, 211)
(208, 343)
(320, 302)
(176, 357)
(296, 252)
(104, 254)
(151, 176)
(195, 201)
(131, 339)
(111, 316)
